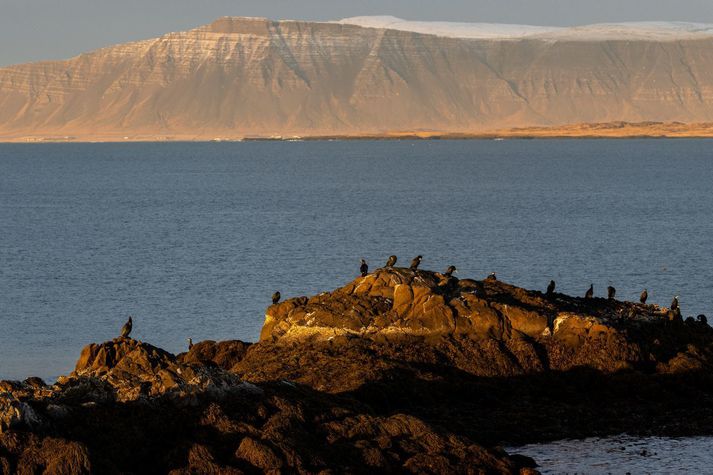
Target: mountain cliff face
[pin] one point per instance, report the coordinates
(253, 77)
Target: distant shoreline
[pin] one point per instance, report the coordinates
(609, 130)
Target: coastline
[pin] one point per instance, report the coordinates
(398, 370)
(607, 130)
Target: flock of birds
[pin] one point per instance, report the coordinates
(589, 294)
(391, 262)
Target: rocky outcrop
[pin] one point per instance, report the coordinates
(133, 369)
(223, 354)
(243, 77)
(492, 361)
(487, 327)
(131, 407)
(398, 371)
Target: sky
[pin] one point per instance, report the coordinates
(32, 30)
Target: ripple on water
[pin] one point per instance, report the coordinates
(623, 454)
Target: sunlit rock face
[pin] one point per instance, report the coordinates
(244, 77)
(506, 330)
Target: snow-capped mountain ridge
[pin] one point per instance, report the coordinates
(603, 31)
(241, 77)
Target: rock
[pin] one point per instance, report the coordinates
(224, 354)
(398, 371)
(532, 332)
(258, 454)
(134, 370)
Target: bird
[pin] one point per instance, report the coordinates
(190, 344)
(551, 288)
(492, 276)
(590, 292)
(674, 303)
(611, 292)
(415, 262)
(449, 272)
(276, 297)
(391, 262)
(364, 268)
(702, 319)
(644, 296)
(126, 329)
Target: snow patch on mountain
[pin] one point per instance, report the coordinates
(660, 31)
(449, 29)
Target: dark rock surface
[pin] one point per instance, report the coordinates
(397, 371)
(130, 407)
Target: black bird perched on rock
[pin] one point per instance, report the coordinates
(126, 329)
(702, 319)
(415, 262)
(674, 303)
(449, 272)
(190, 344)
(551, 288)
(276, 297)
(492, 276)
(644, 296)
(391, 262)
(364, 268)
(590, 292)
(611, 292)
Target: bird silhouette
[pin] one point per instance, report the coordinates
(126, 329)
(364, 268)
(416, 262)
(276, 297)
(590, 292)
(551, 288)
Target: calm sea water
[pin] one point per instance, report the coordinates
(192, 239)
(623, 454)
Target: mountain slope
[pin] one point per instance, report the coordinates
(244, 76)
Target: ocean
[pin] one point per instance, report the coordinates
(192, 239)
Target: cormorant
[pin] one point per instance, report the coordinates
(551, 288)
(492, 276)
(276, 297)
(391, 262)
(702, 319)
(449, 272)
(611, 292)
(126, 329)
(364, 268)
(415, 262)
(590, 292)
(190, 344)
(674, 303)
(644, 296)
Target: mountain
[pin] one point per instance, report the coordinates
(241, 77)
